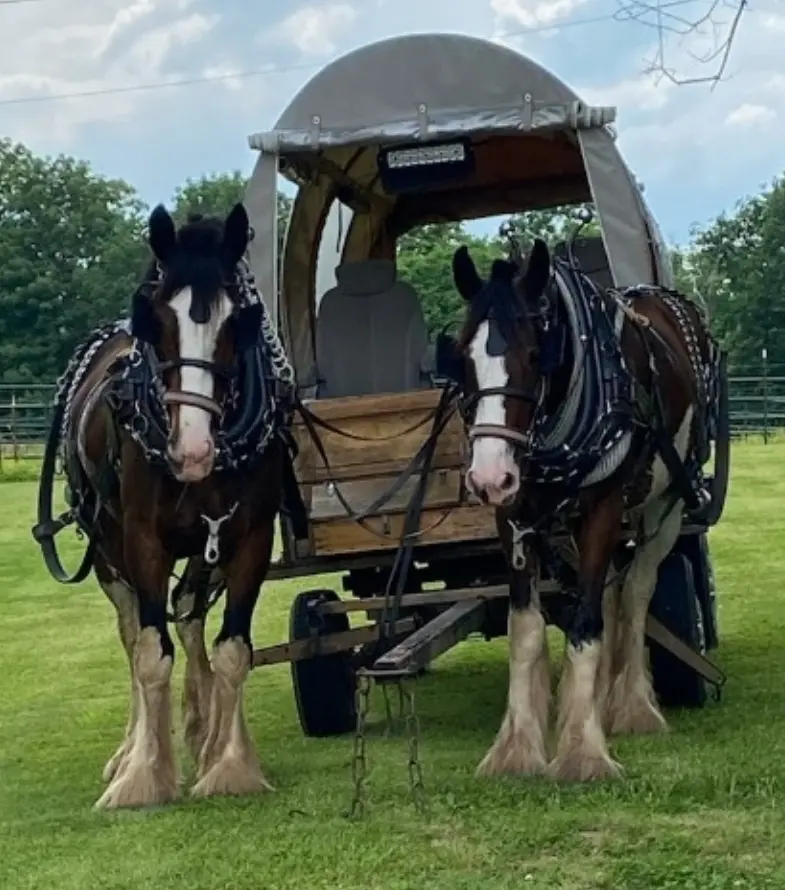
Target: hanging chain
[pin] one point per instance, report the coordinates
(359, 760)
(359, 763)
(416, 786)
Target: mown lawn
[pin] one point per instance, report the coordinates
(701, 808)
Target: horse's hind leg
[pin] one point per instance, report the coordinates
(125, 603)
(632, 706)
(228, 763)
(198, 685)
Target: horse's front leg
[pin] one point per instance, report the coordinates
(581, 749)
(519, 746)
(149, 770)
(228, 763)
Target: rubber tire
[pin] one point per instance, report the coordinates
(325, 686)
(676, 605)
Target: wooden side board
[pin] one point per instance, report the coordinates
(383, 434)
(437, 526)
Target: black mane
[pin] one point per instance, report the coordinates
(199, 261)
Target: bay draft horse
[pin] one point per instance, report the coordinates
(605, 687)
(190, 339)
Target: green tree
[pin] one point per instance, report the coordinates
(215, 195)
(425, 261)
(552, 225)
(71, 252)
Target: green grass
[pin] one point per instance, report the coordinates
(700, 808)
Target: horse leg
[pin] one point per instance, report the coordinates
(632, 706)
(198, 684)
(125, 603)
(149, 773)
(519, 746)
(581, 749)
(228, 763)
(607, 669)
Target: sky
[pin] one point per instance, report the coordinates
(697, 150)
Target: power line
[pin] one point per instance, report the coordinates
(255, 72)
(620, 16)
(15, 2)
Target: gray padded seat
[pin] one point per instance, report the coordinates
(371, 335)
(590, 253)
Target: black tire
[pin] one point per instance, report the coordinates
(324, 687)
(676, 605)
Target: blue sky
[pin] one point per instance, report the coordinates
(696, 150)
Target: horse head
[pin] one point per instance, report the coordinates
(503, 380)
(190, 317)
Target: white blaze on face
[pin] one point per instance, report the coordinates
(493, 472)
(194, 447)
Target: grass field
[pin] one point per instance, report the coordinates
(701, 808)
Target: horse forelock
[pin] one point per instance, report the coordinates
(498, 302)
(198, 263)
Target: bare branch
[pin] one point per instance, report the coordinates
(712, 24)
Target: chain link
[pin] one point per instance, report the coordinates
(412, 724)
(359, 763)
(416, 786)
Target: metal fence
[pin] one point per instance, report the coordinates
(757, 405)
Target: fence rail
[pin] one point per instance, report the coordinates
(757, 406)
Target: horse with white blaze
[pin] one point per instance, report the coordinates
(587, 414)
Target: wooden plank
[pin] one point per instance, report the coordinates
(347, 407)
(468, 523)
(428, 598)
(388, 445)
(443, 490)
(299, 650)
(429, 642)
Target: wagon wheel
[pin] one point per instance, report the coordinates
(676, 605)
(324, 686)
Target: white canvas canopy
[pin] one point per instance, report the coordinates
(535, 144)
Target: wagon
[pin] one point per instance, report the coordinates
(409, 131)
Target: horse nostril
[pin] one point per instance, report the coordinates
(507, 482)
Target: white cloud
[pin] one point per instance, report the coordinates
(313, 30)
(749, 115)
(86, 47)
(533, 13)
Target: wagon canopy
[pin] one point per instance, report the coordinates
(525, 139)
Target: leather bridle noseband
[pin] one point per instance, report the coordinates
(195, 399)
(499, 431)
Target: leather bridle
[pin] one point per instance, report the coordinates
(195, 399)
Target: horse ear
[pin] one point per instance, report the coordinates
(162, 235)
(145, 323)
(464, 274)
(237, 233)
(538, 271)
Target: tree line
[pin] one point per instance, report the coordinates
(72, 250)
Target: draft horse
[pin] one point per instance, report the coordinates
(591, 435)
(172, 437)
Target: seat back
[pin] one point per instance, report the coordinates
(371, 335)
(590, 253)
